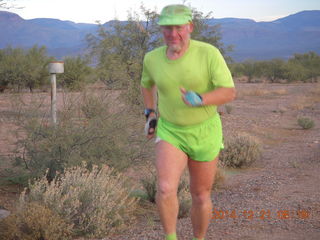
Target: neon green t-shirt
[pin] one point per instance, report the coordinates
(201, 69)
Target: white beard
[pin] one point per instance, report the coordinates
(175, 48)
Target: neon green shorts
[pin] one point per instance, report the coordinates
(201, 142)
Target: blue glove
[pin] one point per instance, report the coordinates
(193, 98)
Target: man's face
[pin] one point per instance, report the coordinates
(177, 37)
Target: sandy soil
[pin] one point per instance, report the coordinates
(278, 196)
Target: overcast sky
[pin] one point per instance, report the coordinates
(105, 10)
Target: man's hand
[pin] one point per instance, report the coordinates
(191, 98)
(150, 127)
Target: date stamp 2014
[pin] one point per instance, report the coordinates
(262, 214)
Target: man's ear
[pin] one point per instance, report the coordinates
(191, 26)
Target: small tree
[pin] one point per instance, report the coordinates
(36, 67)
(3, 81)
(273, 70)
(13, 68)
(76, 73)
(20, 68)
(296, 72)
(120, 48)
(249, 69)
(310, 62)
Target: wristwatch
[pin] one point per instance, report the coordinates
(148, 111)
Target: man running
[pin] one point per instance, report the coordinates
(191, 79)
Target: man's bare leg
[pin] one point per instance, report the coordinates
(170, 163)
(201, 179)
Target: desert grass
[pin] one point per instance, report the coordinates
(311, 98)
(261, 92)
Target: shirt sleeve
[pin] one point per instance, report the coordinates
(219, 71)
(146, 79)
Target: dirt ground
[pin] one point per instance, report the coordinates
(276, 198)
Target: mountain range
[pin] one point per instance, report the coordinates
(296, 33)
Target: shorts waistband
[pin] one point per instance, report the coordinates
(188, 126)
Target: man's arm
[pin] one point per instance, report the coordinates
(219, 96)
(149, 97)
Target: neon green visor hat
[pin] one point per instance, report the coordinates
(177, 14)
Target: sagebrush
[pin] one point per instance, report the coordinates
(240, 151)
(96, 202)
(34, 221)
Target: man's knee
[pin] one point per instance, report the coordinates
(201, 197)
(165, 190)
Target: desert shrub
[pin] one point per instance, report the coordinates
(305, 123)
(16, 176)
(240, 151)
(96, 202)
(301, 67)
(88, 129)
(93, 106)
(34, 221)
(149, 184)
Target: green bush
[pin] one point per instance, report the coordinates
(88, 129)
(301, 67)
(96, 202)
(93, 106)
(305, 123)
(240, 151)
(149, 185)
(33, 221)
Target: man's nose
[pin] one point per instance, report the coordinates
(174, 32)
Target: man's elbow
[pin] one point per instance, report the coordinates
(232, 94)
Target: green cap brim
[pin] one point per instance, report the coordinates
(173, 21)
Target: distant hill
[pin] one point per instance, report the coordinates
(62, 38)
(297, 33)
